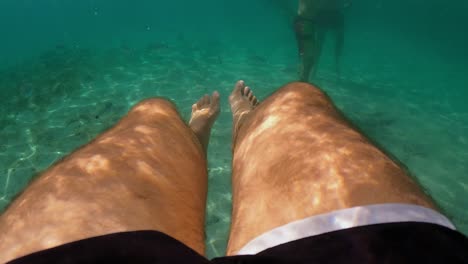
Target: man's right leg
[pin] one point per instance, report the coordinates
(148, 172)
(295, 156)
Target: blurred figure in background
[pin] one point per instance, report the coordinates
(314, 19)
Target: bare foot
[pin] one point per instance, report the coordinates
(242, 101)
(204, 114)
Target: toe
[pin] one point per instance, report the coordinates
(199, 103)
(238, 91)
(240, 84)
(239, 87)
(194, 108)
(206, 100)
(215, 102)
(246, 91)
(255, 102)
(250, 96)
(215, 99)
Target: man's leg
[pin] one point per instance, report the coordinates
(146, 173)
(296, 156)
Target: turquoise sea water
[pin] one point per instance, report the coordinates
(71, 69)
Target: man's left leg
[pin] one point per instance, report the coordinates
(306, 37)
(146, 173)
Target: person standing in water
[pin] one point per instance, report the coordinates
(314, 19)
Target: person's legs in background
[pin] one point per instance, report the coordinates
(306, 37)
(339, 31)
(321, 33)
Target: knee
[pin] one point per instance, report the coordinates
(156, 102)
(154, 106)
(303, 89)
(302, 92)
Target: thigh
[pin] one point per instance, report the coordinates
(146, 173)
(296, 156)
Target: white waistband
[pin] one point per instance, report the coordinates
(343, 219)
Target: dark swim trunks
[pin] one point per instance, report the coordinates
(408, 242)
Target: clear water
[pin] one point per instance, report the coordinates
(70, 69)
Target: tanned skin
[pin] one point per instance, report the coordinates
(294, 156)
